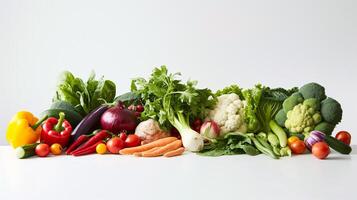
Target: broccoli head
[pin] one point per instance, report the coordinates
(331, 111)
(325, 128)
(302, 119)
(290, 102)
(313, 90)
(312, 103)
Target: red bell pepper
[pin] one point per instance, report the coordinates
(56, 131)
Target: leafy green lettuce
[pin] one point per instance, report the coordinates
(84, 96)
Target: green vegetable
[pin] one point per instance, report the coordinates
(128, 98)
(263, 149)
(292, 101)
(231, 144)
(313, 90)
(172, 103)
(302, 119)
(26, 151)
(72, 117)
(280, 118)
(309, 110)
(252, 98)
(279, 132)
(312, 103)
(263, 104)
(273, 139)
(338, 145)
(84, 96)
(331, 111)
(229, 90)
(285, 151)
(325, 128)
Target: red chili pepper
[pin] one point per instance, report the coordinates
(88, 150)
(56, 131)
(96, 138)
(80, 140)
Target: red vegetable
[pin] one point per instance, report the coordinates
(132, 141)
(140, 108)
(80, 140)
(115, 144)
(123, 136)
(98, 137)
(117, 119)
(56, 131)
(298, 147)
(321, 150)
(88, 150)
(42, 150)
(344, 137)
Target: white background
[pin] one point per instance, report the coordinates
(279, 43)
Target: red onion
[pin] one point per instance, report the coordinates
(314, 137)
(117, 119)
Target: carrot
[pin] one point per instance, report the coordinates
(139, 154)
(145, 147)
(162, 150)
(175, 152)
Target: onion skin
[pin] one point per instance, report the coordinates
(314, 137)
(117, 119)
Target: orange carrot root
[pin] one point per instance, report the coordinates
(158, 143)
(139, 154)
(175, 152)
(162, 150)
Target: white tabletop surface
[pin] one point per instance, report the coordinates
(184, 177)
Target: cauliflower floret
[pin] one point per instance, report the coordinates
(302, 119)
(229, 114)
(149, 131)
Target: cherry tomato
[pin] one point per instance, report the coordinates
(344, 137)
(122, 136)
(298, 147)
(132, 141)
(101, 148)
(140, 108)
(56, 149)
(115, 144)
(42, 150)
(292, 139)
(320, 150)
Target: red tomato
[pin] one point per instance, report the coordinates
(122, 136)
(320, 150)
(298, 147)
(140, 108)
(344, 137)
(114, 145)
(132, 141)
(42, 150)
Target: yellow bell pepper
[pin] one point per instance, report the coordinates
(24, 128)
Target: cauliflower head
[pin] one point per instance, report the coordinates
(302, 119)
(229, 114)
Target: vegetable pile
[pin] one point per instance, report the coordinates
(165, 116)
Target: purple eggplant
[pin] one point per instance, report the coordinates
(88, 123)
